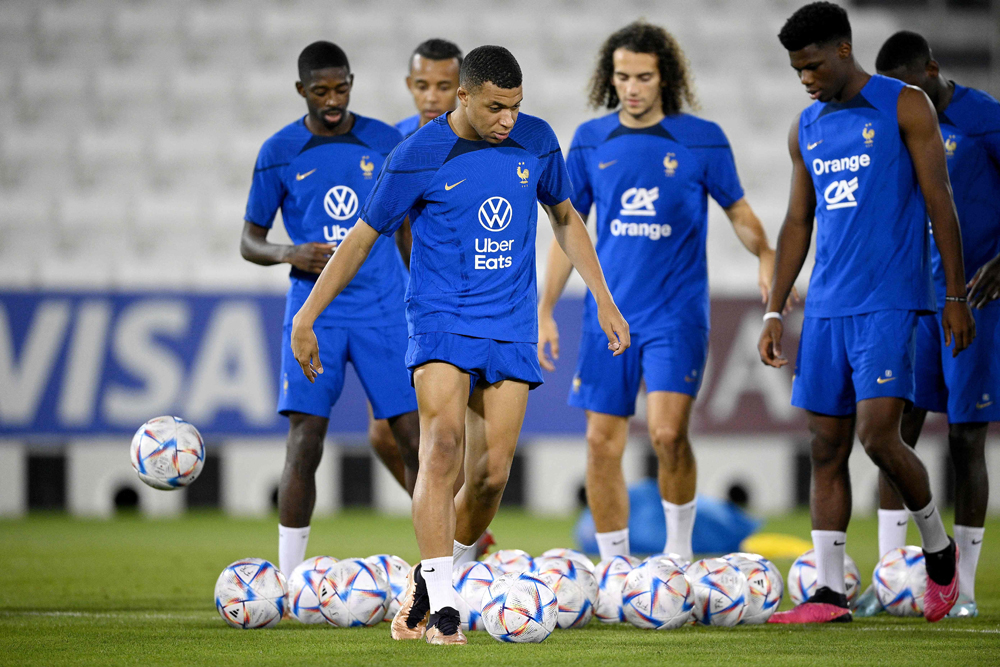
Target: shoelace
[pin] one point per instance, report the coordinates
(447, 621)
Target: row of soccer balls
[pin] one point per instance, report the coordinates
(520, 599)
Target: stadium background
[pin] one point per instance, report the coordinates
(129, 132)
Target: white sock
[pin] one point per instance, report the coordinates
(680, 526)
(437, 575)
(891, 530)
(970, 542)
(932, 533)
(462, 554)
(291, 547)
(614, 543)
(830, 547)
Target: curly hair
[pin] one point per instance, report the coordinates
(493, 64)
(815, 23)
(641, 37)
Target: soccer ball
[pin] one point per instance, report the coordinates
(353, 593)
(572, 554)
(575, 587)
(720, 592)
(303, 588)
(167, 453)
(470, 581)
(510, 560)
(900, 579)
(395, 570)
(519, 607)
(611, 573)
(802, 579)
(678, 561)
(656, 596)
(765, 586)
(250, 594)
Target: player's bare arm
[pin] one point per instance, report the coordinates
(557, 271)
(571, 234)
(351, 254)
(308, 257)
(985, 285)
(751, 234)
(919, 126)
(793, 246)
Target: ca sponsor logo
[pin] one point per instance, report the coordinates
(340, 202)
(495, 214)
(639, 201)
(840, 194)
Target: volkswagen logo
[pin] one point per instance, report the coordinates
(495, 214)
(340, 202)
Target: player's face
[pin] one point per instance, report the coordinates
(327, 93)
(433, 84)
(823, 69)
(491, 111)
(636, 78)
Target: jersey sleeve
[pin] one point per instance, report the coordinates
(576, 165)
(267, 190)
(554, 185)
(401, 182)
(721, 179)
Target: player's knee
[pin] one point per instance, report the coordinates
(602, 449)
(828, 450)
(967, 444)
(441, 451)
(488, 486)
(669, 443)
(303, 453)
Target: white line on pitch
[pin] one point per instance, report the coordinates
(900, 628)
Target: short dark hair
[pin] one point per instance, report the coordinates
(493, 64)
(641, 37)
(321, 55)
(904, 49)
(816, 23)
(438, 49)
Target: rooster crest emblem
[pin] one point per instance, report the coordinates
(669, 164)
(367, 166)
(522, 173)
(869, 134)
(950, 145)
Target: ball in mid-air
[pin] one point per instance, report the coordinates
(610, 574)
(395, 570)
(354, 593)
(510, 560)
(303, 588)
(470, 581)
(250, 594)
(801, 582)
(657, 596)
(720, 592)
(575, 587)
(167, 453)
(519, 608)
(900, 579)
(766, 586)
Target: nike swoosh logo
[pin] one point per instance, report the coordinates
(929, 514)
(809, 147)
(688, 378)
(884, 380)
(299, 177)
(430, 570)
(605, 165)
(980, 406)
(977, 542)
(839, 544)
(618, 542)
(454, 185)
(901, 523)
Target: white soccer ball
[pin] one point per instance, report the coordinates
(354, 593)
(520, 608)
(610, 574)
(470, 581)
(657, 596)
(250, 594)
(303, 588)
(575, 587)
(900, 580)
(572, 554)
(802, 579)
(766, 586)
(167, 453)
(395, 570)
(720, 592)
(678, 561)
(510, 560)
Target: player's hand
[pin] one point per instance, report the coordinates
(985, 285)
(310, 257)
(958, 325)
(548, 332)
(764, 276)
(306, 350)
(615, 328)
(769, 345)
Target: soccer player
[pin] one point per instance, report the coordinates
(862, 156)
(649, 169)
(433, 82)
(318, 170)
(966, 387)
(474, 177)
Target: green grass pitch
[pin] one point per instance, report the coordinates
(135, 591)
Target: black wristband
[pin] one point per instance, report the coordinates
(956, 299)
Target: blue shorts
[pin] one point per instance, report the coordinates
(844, 360)
(672, 360)
(486, 360)
(967, 387)
(377, 356)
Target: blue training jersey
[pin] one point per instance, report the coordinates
(970, 127)
(319, 184)
(650, 187)
(872, 240)
(473, 209)
(408, 126)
